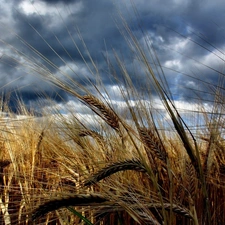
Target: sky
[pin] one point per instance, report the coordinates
(188, 37)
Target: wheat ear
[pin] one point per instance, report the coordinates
(167, 206)
(76, 200)
(106, 113)
(175, 208)
(182, 211)
(192, 178)
(147, 218)
(133, 164)
(153, 143)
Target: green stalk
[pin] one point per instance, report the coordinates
(79, 215)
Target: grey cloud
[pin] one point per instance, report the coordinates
(167, 22)
(59, 1)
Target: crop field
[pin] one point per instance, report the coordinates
(140, 161)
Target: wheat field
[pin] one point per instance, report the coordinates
(130, 168)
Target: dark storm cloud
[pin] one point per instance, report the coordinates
(94, 21)
(32, 99)
(59, 1)
(180, 32)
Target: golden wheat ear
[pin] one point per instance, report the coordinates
(76, 200)
(102, 110)
(133, 164)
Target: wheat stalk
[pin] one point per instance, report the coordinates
(99, 138)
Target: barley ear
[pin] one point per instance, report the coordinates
(133, 164)
(106, 113)
(76, 200)
(152, 141)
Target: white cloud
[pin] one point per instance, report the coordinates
(42, 8)
(29, 7)
(179, 44)
(174, 64)
(215, 58)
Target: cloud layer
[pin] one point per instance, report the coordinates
(188, 37)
